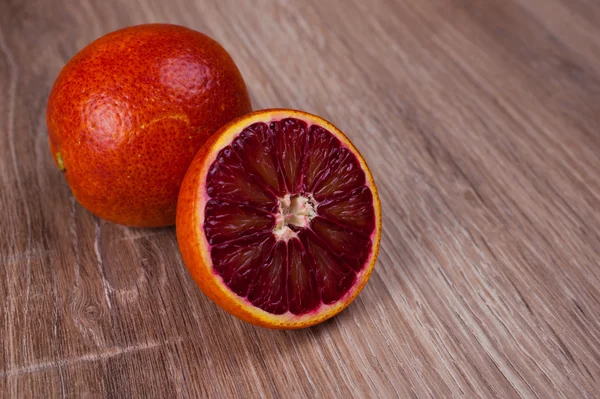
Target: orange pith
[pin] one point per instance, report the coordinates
(196, 239)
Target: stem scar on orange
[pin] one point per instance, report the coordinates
(128, 113)
(279, 220)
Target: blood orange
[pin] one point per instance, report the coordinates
(279, 220)
(129, 112)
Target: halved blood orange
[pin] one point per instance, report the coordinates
(278, 219)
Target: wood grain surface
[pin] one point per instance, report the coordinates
(481, 123)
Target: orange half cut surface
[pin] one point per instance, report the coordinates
(278, 219)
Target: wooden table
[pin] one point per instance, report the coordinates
(481, 123)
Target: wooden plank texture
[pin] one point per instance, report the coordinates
(481, 123)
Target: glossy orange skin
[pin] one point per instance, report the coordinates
(129, 112)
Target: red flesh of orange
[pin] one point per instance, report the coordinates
(279, 220)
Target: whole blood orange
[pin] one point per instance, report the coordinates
(128, 113)
(278, 219)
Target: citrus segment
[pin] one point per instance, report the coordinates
(353, 211)
(334, 276)
(279, 219)
(290, 135)
(350, 245)
(238, 262)
(342, 176)
(229, 181)
(227, 221)
(269, 289)
(255, 147)
(303, 293)
(322, 150)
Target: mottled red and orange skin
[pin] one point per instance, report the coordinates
(128, 113)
